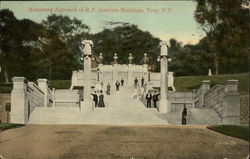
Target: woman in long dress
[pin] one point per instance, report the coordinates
(101, 101)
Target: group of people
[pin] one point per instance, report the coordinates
(98, 100)
(118, 84)
(155, 98)
(136, 82)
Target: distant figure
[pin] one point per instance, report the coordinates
(141, 92)
(184, 115)
(135, 81)
(142, 81)
(101, 101)
(149, 98)
(95, 98)
(108, 89)
(155, 99)
(122, 82)
(135, 95)
(117, 85)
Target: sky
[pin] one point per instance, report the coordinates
(163, 19)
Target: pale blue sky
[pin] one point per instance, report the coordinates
(179, 23)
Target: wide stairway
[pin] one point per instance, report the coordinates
(121, 109)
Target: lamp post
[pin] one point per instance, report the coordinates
(163, 104)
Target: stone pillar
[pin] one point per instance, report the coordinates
(163, 104)
(86, 104)
(231, 103)
(115, 72)
(43, 84)
(205, 86)
(19, 103)
(54, 97)
(130, 75)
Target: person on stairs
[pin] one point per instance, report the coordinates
(149, 98)
(135, 82)
(122, 82)
(142, 81)
(95, 98)
(184, 115)
(155, 99)
(108, 89)
(117, 85)
(101, 100)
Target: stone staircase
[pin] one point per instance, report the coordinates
(195, 116)
(121, 109)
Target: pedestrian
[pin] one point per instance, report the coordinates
(108, 89)
(101, 100)
(117, 85)
(135, 95)
(142, 81)
(149, 98)
(135, 81)
(155, 99)
(184, 115)
(122, 82)
(95, 98)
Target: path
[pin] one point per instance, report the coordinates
(119, 142)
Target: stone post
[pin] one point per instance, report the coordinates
(19, 103)
(205, 86)
(130, 75)
(54, 97)
(43, 84)
(231, 103)
(86, 104)
(163, 104)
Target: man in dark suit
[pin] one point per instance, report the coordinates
(117, 85)
(122, 81)
(95, 98)
(184, 115)
(155, 99)
(142, 81)
(149, 98)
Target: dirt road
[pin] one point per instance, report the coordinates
(118, 142)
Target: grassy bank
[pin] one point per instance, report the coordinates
(5, 126)
(189, 83)
(182, 84)
(238, 131)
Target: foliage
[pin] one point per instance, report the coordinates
(238, 131)
(5, 126)
(227, 26)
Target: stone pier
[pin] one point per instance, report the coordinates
(163, 104)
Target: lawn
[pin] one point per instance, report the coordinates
(238, 131)
(5, 126)
(188, 83)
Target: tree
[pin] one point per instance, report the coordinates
(226, 25)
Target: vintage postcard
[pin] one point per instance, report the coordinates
(124, 79)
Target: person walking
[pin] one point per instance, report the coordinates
(108, 89)
(184, 115)
(95, 98)
(155, 99)
(122, 82)
(149, 98)
(135, 81)
(142, 81)
(101, 100)
(117, 85)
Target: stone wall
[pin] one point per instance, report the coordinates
(26, 96)
(178, 99)
(68, 98)
(244, 109)
(4, 115)
(224, 99)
